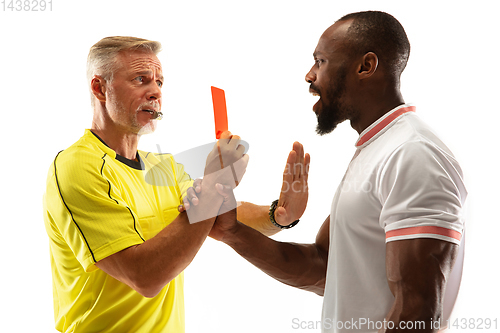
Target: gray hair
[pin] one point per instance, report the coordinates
(102, 58)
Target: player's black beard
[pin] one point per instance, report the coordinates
(335, 112)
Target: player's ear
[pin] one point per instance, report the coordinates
(98, 87)
(368, 65)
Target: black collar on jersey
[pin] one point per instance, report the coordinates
(138, 165)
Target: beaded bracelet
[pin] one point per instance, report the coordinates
(273, 221)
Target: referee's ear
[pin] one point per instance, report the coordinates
(98, 87)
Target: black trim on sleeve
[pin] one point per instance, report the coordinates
(109, 184)
(135, 224)
(109, 194)
(70, 213)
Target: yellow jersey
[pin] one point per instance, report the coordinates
(98, 203)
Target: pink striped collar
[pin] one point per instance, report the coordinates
(383, 123)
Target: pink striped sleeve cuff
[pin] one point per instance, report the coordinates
(424, 232)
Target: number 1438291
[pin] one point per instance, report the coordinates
(26, 5)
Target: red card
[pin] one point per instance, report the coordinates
(220, 111)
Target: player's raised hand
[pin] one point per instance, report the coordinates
(294, 190)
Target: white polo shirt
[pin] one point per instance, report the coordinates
(402, 183)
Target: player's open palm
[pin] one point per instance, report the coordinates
(294, 190)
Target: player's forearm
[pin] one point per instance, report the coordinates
(256, 217)
(297, 265)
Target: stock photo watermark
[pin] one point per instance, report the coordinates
(26, 6)
(215, 162)
(367, 324)
(358, 178)
(229, 173)
(296, 186)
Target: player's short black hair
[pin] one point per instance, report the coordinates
(382, 34)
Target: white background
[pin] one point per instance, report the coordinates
(259, 52)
